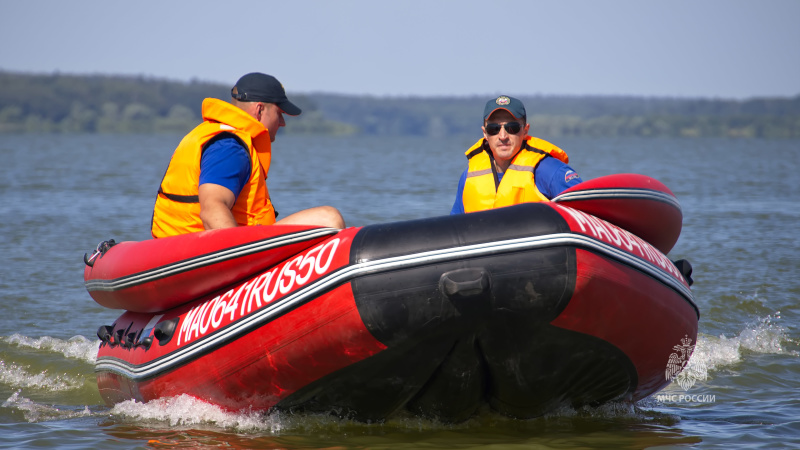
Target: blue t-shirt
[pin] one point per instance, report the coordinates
(226, 162)
(551, 176)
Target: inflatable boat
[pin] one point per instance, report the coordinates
(527, 309)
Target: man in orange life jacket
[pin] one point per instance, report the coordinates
(508, 166)
(217, 175)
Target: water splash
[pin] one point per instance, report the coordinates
(188, 412)
(18, 376)
(185, 410)
(37, 412)
(77, 347)
(763, 335)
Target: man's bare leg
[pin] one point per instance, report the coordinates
(323, 216)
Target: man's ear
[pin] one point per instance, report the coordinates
(258, 110)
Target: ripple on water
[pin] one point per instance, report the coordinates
(77, 347)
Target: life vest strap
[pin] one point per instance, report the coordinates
(475, 152)
(196, 198)
(525, 146)
(180, 198)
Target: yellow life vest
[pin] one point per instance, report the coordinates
(177, 208)
(517, 186)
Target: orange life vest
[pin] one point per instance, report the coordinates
(177, 208)
(518, 184)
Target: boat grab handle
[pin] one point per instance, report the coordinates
(465, 282)
(101, 249)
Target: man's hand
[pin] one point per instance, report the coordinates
(215, 206)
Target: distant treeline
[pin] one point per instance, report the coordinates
(120, 104)
(56, 102)
(572, 116)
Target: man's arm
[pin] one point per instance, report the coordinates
(215, 206)
(554, 177)
(458, 204)
(224, 170)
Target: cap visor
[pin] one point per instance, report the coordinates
(504, 109)
(289, 108)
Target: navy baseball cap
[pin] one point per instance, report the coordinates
(510, 104)
(260, 87)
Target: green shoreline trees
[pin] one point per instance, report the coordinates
(57, 103)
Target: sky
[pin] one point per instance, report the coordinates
(731, 49)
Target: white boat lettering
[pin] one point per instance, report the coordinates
(623, 239)
(258, 292)
(205, 317)
(288, 275)
(185, 325)
(218, 311)
(255, 294)
(198, 317)
(334, 244)
(308, 261)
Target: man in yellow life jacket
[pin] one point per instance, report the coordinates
(217, 177)
(508, 166)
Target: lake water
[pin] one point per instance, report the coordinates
(62, 194)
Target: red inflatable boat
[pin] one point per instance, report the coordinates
(527, 308)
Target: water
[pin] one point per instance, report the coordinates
(61, 195)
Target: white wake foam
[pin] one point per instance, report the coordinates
(185, 410)
(18, 376)
(77, 347)
(37, 412)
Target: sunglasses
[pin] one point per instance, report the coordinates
(511, 128)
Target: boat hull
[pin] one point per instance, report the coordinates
(637, 203)
(160, 274)
(527, 308)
